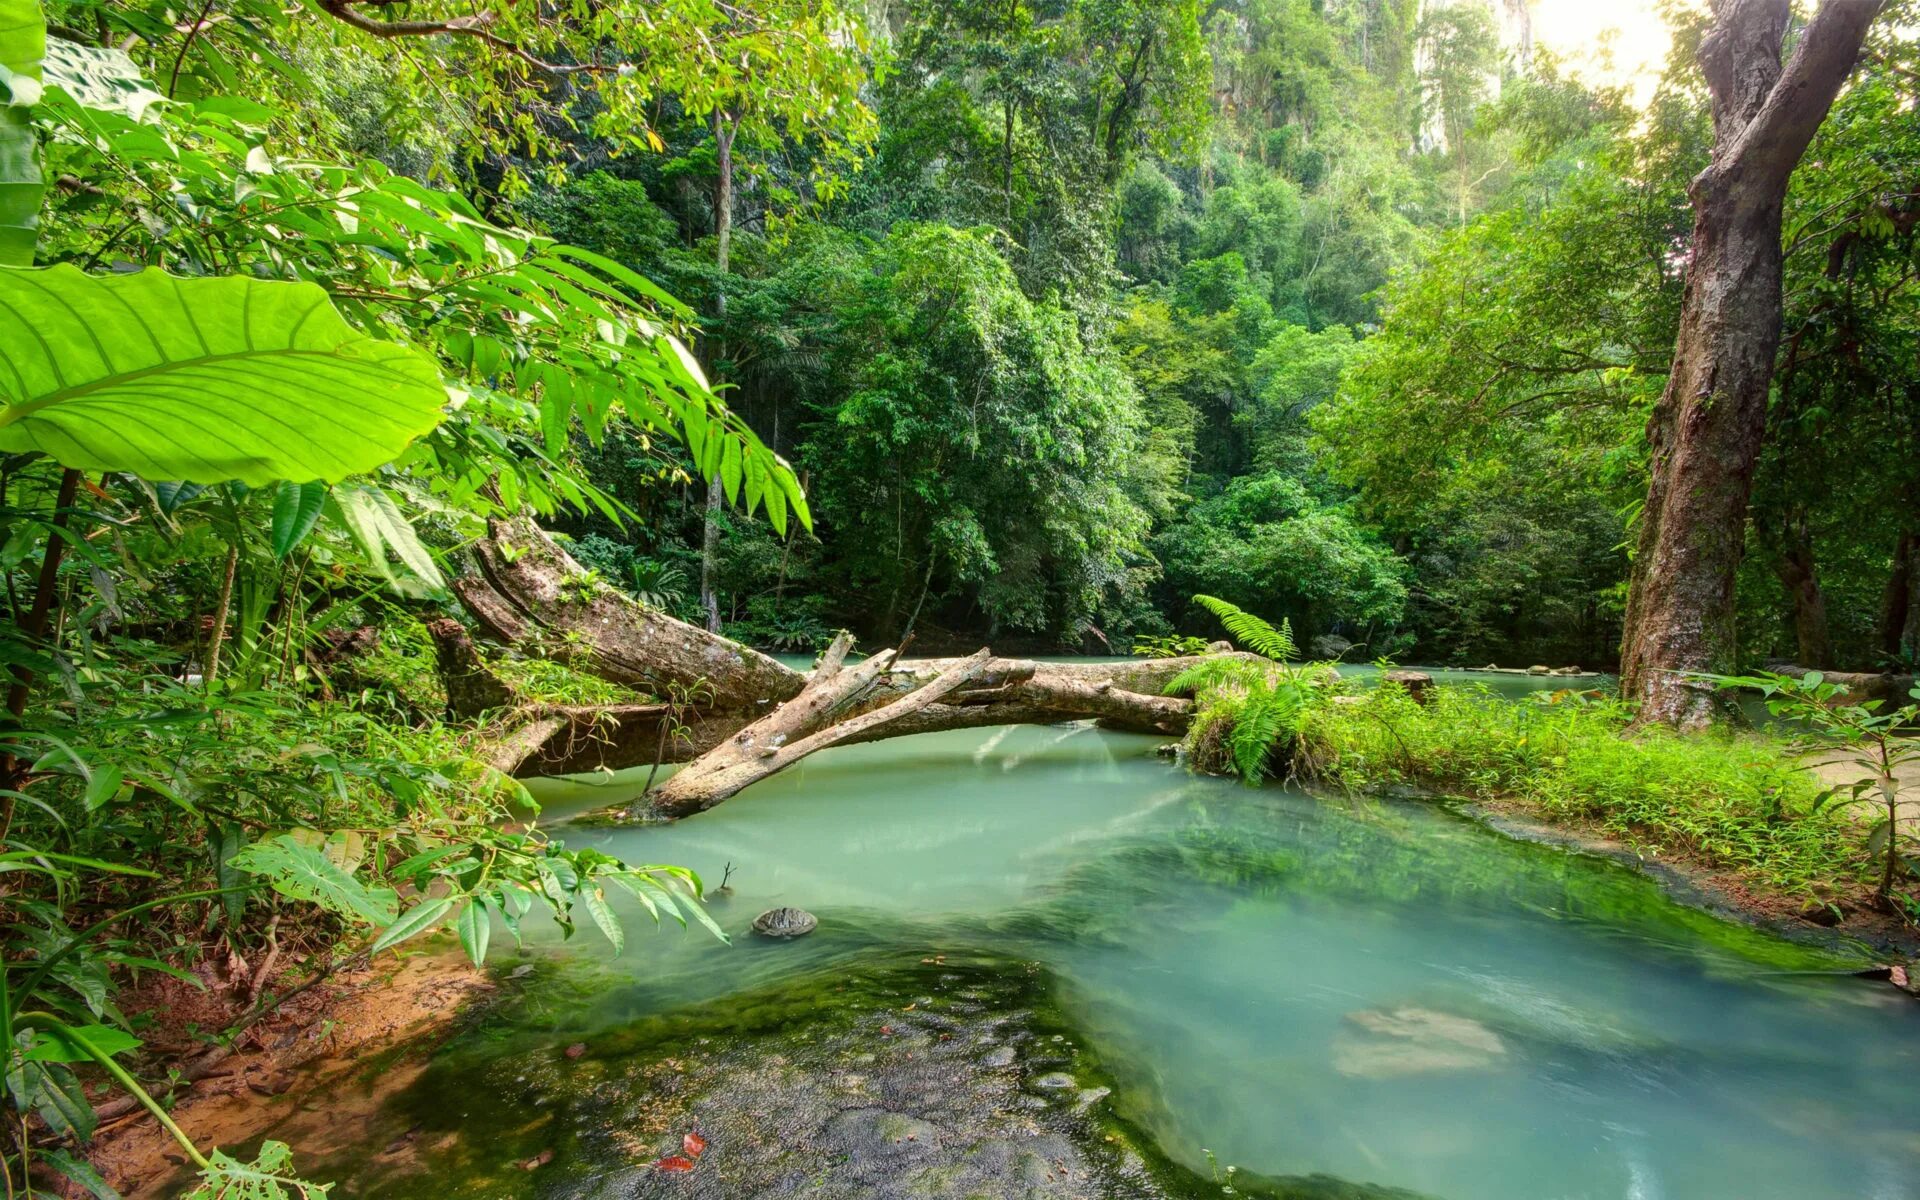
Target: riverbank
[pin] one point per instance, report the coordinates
(384, 1020)
(1737, 815)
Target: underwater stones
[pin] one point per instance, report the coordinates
(1056, 1081)
(1089, 1097)
(999, 1056)
(1386, 1043)
(878, 1133)
(785, 923)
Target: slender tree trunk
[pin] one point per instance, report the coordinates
(1793, 562)
(1705, 433)
(1900, 605)
(723, 131)
(32, 630)
(218, 635)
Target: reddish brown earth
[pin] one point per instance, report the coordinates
(386, 1018)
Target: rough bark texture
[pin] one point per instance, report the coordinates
(1705, 434)
(528, 586)
(472, 688)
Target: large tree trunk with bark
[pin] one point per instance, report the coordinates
(1705, 433)
(528, 588)
(734, 714)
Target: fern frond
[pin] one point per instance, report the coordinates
(1255, 634)
(1211, 674)
(1268, 722)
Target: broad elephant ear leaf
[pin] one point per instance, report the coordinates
(23, 43)
(204, 380)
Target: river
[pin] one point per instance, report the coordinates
(1375, 991)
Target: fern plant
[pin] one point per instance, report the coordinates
(1251, 631)
(1248, 713)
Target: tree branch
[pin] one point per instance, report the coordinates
(1778, 133)
(477, 26)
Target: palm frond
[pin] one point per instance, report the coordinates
(1252, 632)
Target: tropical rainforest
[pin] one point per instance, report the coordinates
(333, 336)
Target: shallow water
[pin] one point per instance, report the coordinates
(1379, 991)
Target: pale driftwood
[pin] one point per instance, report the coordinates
(810, 722)
(1124, 696)
(751, 716)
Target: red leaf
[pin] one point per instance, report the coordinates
(539, 1160)
(693, 1144)
(673, 1162)
(576, 1050)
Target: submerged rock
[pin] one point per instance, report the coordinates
(944, 1082)
(1383, 1043)
(785, 923)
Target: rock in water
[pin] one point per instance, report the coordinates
(1387, 1043)
(784, 923)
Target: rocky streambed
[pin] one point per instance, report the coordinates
(914, 1080)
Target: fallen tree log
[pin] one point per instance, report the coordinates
(737, 716)
(614, 737)
(808, 723)
(528, 587)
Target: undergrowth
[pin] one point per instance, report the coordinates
(1735, 801)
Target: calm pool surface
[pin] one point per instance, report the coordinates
(1382, 992)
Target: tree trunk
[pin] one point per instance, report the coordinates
(723, 131)
(529, 588)
(1900, 606)
(471, 686)
(1705, 434)
(1793, 562)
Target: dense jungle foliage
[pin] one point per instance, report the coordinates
(1022, 321)
(1339, 311)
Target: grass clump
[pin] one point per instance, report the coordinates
(1732, 801)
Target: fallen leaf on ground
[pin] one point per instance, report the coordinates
(576, 1050)
(673, 1162)
(693, 1144)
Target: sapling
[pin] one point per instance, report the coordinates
(1867, 735)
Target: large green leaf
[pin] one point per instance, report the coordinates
(303, 873)
(105, 79)
(23, 43)
(202, 379)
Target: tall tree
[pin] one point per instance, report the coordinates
(1705, 433)
(794, 69)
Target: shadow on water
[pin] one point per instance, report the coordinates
(1310, 989)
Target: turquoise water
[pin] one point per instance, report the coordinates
(1383, 992)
